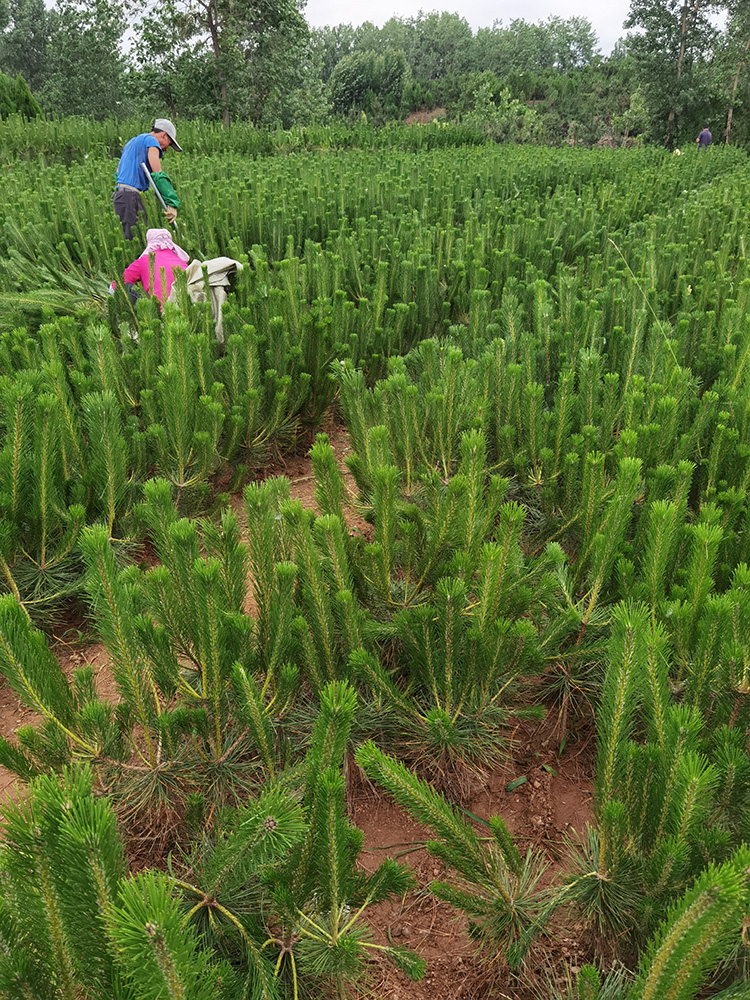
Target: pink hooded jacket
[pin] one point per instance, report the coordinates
(167, 256)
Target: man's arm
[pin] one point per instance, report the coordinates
(154, 160)
(164, 186)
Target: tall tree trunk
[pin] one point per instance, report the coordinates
(214, 31)
(734, 91)
(684, 24)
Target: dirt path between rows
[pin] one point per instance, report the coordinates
(554, 798)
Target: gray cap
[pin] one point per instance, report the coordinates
(165, 125)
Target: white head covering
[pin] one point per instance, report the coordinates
(161, 239)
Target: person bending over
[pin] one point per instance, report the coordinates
(132, 181)
(160, 259)
(704, 138)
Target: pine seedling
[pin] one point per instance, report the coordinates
(330, 491)
(710, 636)
(115, 605)
(37, 678)
(158, 512)
(62, 862)
(683, 729)
(562, 418)
(107, 466)
(354, 401)
(604, 882)
(704, 549)
(655, 684)
(355, 626)
(106, 363)
(496, 886)
(160, 957)
(87, 862)
(314, 592)
(693, 936)
(224, 874)
(401, 410)
(660, 545)
(330, 736)
(18, 406)
(338, 703)
(381, 552)
(485, 493)
(268, 545)
(318, 892)
(593, 489)
(442, 523)
(73, 447)
(331, 538)
(38, 559)
(588, 983)
(589, 387)
(256, 716)
(627, 663)
(500, 565)
(198, 601)
(607, 544)
(333, 944)
(728, 754)
(279, 611)
(696, 782)
(532, 418)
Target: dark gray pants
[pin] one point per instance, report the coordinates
(128, 205)
(133, 292)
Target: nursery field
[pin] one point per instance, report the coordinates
(399, 646)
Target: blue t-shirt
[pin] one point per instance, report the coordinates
(135, 152)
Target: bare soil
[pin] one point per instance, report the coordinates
(555, 797)
(424, 117)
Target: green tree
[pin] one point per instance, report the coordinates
(16, 98)
(676, 37)
(243, 50)
(296, 93)
(360, 78)
(635, 120)
(573, 41)
(436, 45)
(557, 43)
(503, 118)
(25, 27)
(738, 37)
(444, 46)
(86, 70)
(329, 45)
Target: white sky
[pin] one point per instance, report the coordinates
(606, 16)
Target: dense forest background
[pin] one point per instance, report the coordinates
(679, 65)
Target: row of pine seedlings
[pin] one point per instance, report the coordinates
(542, 363)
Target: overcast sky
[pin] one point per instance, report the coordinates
(605, 15)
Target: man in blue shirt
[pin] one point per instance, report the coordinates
(146, 148)
(704, 138)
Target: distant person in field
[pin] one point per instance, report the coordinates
(132, 180)
(704, 139)
(160, 259)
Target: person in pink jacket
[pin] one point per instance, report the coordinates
(160, 258)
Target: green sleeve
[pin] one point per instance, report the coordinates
(165, 188)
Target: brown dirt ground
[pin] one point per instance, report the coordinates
(424, 117)
(539, 812)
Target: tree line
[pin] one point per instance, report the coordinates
(677, 67)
